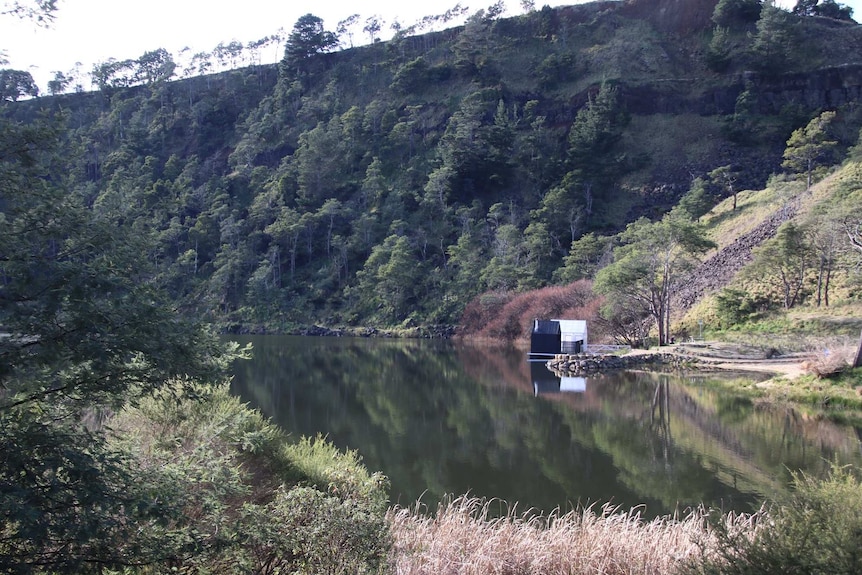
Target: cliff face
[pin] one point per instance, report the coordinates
(680, 17)
(827, 88)
(822, 89)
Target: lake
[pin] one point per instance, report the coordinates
(442, 417)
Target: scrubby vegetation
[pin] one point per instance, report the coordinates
(234, 495)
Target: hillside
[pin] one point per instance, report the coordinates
(391, 184)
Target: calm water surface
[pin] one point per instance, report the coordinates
(444, 418)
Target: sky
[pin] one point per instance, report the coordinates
(93, 31)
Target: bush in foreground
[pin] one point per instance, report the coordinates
(815, 529)
(235, 497)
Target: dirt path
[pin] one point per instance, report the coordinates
(718, 355)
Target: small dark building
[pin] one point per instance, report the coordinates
(546, 338)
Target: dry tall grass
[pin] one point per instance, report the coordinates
(830, 358)
(462, 538)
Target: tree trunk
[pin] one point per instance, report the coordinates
(820, 274)
(858, 361)
(826, 287)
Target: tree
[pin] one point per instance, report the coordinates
(584, 259)
(824, 238)
(726, 176)
(805, 7)
(372, 27)
(155, 66)
(775, 40)
(649, 264)
(59, 83)
(825, 8)
(697, 201)
(86, 330)
(388, 280)
(592, 139)
(113, 74)
(39, 11)
(783, 262)
(307, 39)
(834, 10)
(346, 26)
(718, 53)
(731, 13)
(809, 147)
(16, 83)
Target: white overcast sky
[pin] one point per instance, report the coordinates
(91, 31)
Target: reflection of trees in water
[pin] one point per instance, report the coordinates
(659, 417)
(414, 410)
(748, 446)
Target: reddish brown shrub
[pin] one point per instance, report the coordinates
(509, 317)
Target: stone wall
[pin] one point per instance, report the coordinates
(585, 364)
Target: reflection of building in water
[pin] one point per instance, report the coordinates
(551, 337)
(546, 381)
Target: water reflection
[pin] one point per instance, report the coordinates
(441, 418)
(545, 381)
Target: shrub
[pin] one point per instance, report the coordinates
(816, 528)
(234, 497)
(510, 319)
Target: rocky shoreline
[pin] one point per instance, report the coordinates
(585, 363)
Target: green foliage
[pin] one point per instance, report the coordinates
(321, 465)
(809, 146)
(16, 83)
(736, 12)
(86, 329)
(233, 177)
(826, 8)
(555, 69)
(783, 263)
(697, 201)
(775, 40)
(39, 11)
(718, 52)
(584, 259)
(735, 306)
(817, 528)
(647, 267)
(243, 498)
(306, 39)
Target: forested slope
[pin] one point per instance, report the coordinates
(390, 184)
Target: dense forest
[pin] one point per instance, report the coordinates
(393, 183)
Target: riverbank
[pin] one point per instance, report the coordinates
(701, 356)
(797, 379)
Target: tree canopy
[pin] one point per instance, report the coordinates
(85, 328)
(307, 38)
(810, 146)
(15, 84)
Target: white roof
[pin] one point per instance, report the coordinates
(572, 325)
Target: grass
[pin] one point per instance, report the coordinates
(816, 528)
(463, 538)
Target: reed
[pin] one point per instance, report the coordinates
(464, 538)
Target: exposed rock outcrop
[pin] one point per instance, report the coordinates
(716, 271)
